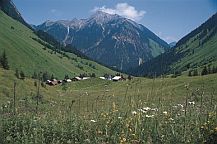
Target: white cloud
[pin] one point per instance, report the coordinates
(167, 38)
(123, 9)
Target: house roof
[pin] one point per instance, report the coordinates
(116, 78)
(102, 78)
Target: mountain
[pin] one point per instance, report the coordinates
(29, 52)
(109, 39)
(8, 7)
(172, 44)
(193, 51)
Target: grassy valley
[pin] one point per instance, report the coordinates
(141, 110)
(162, 110)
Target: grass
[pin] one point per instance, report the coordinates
(203, 54)
(27, 55)
(164, 110)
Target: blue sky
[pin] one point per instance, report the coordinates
(169, 19)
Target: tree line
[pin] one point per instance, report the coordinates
(205, 71)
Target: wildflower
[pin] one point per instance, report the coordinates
(171, 119)
(175, 106)
(191, 103)
(180, 105)
(149, 116)
(187, 86)
(99, 132)
(123, 140)
(165, 112)
(114, 107)
(92, 121)
(146, 108)
(134, 112)
(119, 117)
(215, 129)
(154, 109)
(141, 110)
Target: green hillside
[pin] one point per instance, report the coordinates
(28, 55)
(195, 50)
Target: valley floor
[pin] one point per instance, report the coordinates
(162, 110)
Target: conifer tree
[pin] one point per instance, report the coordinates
(195, 73)
(22, 75)
(189, 73)
(204, 71)
(4, 61)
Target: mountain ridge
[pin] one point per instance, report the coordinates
(196, 49)
(104, 35)
(9, 8)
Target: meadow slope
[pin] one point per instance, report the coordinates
(28, 55)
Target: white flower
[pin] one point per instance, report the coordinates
(146, 108)
(187, 86)
(165, 112)
(171, 119)
(180, 105)
(119, 117)
(175, 106)
(191, 103)
(92, 121)
(141, 110)
(149, 116)
(154, 109)
(134, 112)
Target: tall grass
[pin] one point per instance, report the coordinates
(135, 121)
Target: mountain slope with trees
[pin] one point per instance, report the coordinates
(195, 50)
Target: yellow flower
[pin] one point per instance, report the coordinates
(123, 140)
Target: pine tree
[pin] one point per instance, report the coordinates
(189, 73)
(93, 75)
(4, 61)
(195, 72)
(45, 76)
(204, 71)
(214, 69)
(34, 76)
(22, 75)
(129, 77)
(209, 70)
(66, 77)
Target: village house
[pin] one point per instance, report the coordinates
(118, 78)
(76, 79)
(52, 82)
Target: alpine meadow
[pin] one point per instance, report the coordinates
(108, 72)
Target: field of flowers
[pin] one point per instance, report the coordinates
(135, 121)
